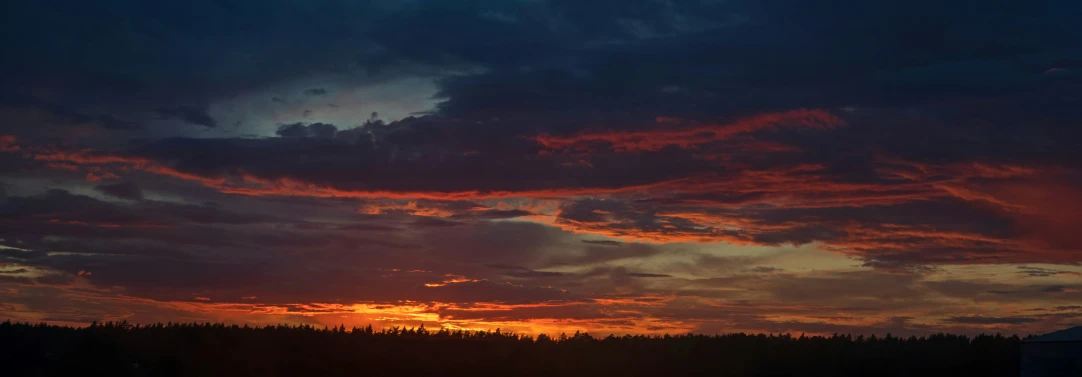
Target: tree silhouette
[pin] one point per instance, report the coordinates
(183, 349)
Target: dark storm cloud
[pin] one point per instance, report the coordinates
(315, 92)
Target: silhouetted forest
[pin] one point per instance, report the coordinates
(122, 349)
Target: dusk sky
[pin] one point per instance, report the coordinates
(545, 166)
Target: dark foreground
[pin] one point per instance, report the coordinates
(219, 350)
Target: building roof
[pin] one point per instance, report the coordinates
(1073, 334)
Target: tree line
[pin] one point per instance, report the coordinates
(215, 349)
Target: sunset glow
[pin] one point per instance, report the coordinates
(546, 167)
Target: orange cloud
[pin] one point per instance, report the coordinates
(63, 159)
(7, 143)
(723, 208)
(692, 135)
(411, 207)
(91, 177)
(453, 279)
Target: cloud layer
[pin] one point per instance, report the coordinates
(739, 166)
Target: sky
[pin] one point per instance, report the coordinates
(545, 166)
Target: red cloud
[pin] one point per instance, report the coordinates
(7, 143)
(734, 207)
(693, 134)
(94, 159)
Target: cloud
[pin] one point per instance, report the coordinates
(772, 174)
(853, 285)
(523, 272)
(493, 214)
(122, 190)
(764, 269)
(189, 115)
(689, 136)
(8, 143)
(647, 275)
(1043, 272)
(314, 130)
(875, 215)
(603, 242)
(982, 320)
(19, 108)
